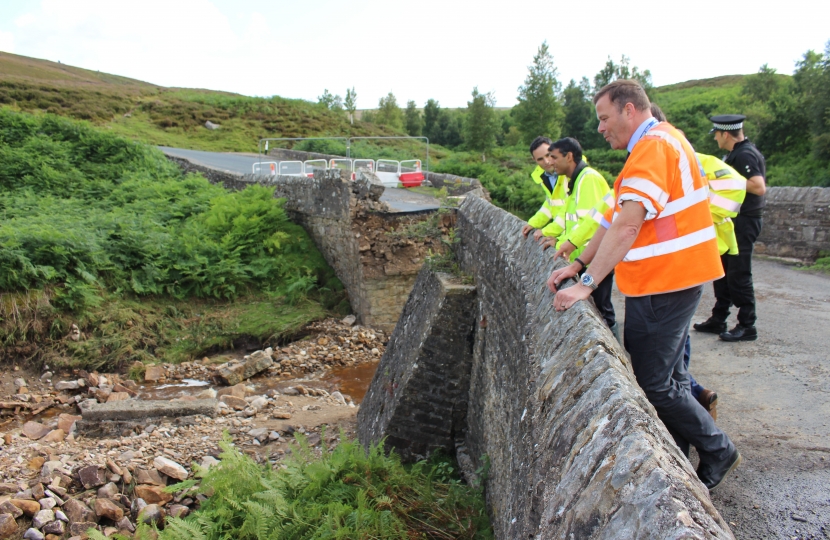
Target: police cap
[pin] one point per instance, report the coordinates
(727, 122)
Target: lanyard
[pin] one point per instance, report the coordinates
(642, 131)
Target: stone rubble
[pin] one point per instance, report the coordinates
(55, 482)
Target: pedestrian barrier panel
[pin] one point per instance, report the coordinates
(411, 175)
(265, 168)
(388, 172)
(291, 168)
(313, 165)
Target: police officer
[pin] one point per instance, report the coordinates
(735, 288)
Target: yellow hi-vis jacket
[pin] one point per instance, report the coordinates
(554, 202)
(589, 191)
(727, 189)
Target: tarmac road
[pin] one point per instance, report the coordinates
(774, 403)
(399, 200)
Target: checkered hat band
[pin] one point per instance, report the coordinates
(729, 127)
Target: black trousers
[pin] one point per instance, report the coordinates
(656, 327)
(735, 288)
(602, 299)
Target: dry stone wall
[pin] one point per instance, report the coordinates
(573, 447)
(796, 223)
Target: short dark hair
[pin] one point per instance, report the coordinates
(734, 132)
(624, 91)
(568, 144)
(539, 141)
(657, 112)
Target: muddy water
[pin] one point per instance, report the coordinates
(353, 381)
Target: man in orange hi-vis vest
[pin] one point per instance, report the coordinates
(660, 239)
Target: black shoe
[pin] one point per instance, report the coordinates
(711, 326)
(712, 474)
(740, 333)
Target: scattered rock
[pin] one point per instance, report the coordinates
(153, 495)
(208, 462)
(211, 126)
(107, 509)
(149, 476)
(35, 430)
(137, 505)
(237, 390)
(259, 403)
(61, 516)
(80, 528)
(92, 476)
(8, 508)
(178, 510)
(118, 396)
(56, 435)
(8, 525)
(19, 383)
(66, 385)
(152, 513)
(153, 373)
(29, 508)
(33, 534)
(37, 489)
(66, 422)
(42, 518)
(119, 388)
(234, 402)
(124, 524)
(349, 320)
(282, 415)
(253, 364)
(47, 503)
(77, 511)
(170, 468)
(56, 527)
(107, 491)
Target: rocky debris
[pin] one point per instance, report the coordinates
(153, 373)
(236, 372)
(53, 472)
(35, 430)
(8, 525)
(211, 126)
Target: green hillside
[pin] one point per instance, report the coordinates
(165, 116)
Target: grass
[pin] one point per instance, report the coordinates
(346, 492)
(822, 264)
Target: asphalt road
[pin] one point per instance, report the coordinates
(774, 403)
(399, 200)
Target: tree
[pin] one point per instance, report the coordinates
(333, 102)
(351, 103)
(761, 85)
(611, 72)
(480, 126)
(431, 113)
(414, 123)
(579, 112)
(389, 114)
(539, 111)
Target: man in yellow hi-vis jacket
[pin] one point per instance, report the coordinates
(553, 186)
(586, 189)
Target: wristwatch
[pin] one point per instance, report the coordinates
(588, 281)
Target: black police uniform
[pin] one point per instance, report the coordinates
(736, 288)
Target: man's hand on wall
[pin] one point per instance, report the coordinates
(565, 251)
(564, 299)
(548, 241)
(560, 275)
(526, 229)
(538, 234)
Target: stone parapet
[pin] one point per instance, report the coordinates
(418, 397)
(796, 223)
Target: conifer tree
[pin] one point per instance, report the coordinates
(539, 111)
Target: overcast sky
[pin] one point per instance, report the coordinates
(436, 49)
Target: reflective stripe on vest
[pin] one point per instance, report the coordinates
(670, 246)
(723, 202)
(718, 185)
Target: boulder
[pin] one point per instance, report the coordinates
(35, 430)
(92, 476)
(153, 373)
(29, 508)
(77, 511)
(80, 528)
(170, 468)
(253, 364)
(8, 525)
(8, 508)
(33, 534)
(152, 513)
(56, 527)
(107, 491)
(56, 435)
(153, 495)
(105, 508)
(149, 476)
(42, 518)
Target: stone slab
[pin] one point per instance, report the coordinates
(134, 409)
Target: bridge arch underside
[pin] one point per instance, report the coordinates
(574, 447)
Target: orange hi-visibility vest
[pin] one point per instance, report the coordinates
(676, 247)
